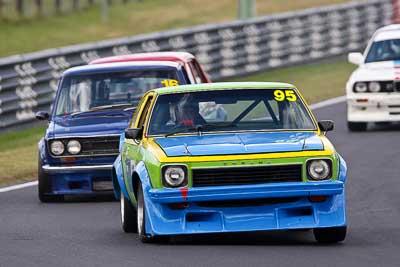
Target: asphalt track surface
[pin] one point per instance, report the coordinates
(87, 232)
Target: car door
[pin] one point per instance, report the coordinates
(131, 154)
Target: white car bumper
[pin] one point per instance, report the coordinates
(373, 107)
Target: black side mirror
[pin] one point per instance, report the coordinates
(42, 115)
(133, 133)
(326, 126)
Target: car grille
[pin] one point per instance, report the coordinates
(246, 175)
(396, 86)
(100, 145)
(93, 146)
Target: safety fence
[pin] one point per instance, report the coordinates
(28, 82)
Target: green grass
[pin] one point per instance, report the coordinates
(28, 35)
(18, 156)
(316, 81)
(319, 81)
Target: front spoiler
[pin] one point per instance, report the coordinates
(202, 214)
(173, 195)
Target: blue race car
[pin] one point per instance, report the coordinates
(92, 107)
(229, 157)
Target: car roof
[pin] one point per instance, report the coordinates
(387, 33)
(223, 86)
(155, 56)
(121, 66)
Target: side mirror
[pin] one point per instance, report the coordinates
(355, 58)
(133, 133)
(326, 126)
(42, 115)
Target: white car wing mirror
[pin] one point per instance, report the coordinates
(355, 58)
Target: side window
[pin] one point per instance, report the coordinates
(198, 76)
(145, 111)
(135, 114)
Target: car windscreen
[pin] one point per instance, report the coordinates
(384, 51)
(229, 110)
(82, 93)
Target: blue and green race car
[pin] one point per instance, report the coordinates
(229, 157)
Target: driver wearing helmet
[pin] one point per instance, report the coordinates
(187, 112)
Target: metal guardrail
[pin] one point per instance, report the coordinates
(28, 82)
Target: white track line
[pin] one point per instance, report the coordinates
(328, 102)
(18, 186)
(322, 104)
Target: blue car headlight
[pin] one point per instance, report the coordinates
(57, 148)
(174, 175)
(74, 147)
(319, 169)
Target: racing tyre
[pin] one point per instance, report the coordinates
(141, 220)
(330, 235)
(128, 215)
(44, 186)
(357, 126)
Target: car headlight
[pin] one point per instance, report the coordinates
(319, 169)
(360, 87)
(374, 87)
(57, 148)
(74, 147)
(174, 175)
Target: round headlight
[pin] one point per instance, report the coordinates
(319, 170)
(360, 87)
(374, 87)
(73, 147)
(57, 148)
(174, 176)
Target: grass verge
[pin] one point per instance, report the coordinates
(18, 156)
(22, 36)
(318, 81)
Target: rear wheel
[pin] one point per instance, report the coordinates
(330, 235)
(357, 126)
(141, 220)
(128, 215)
(44, 186)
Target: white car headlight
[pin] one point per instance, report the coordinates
(74, 147)
(57, 148)
(374, 87)
(360, 87)
(174, 175)
(319, 169)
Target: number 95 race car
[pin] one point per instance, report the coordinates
(264, 164)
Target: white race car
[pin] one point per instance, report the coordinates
(373, 90)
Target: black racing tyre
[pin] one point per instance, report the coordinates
(128, 215)
(357, 126)
(44, 186)
(141, 220)
(330, 235)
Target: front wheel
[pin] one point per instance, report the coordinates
(330, 235)
(44, 186)
(128, 215)
(141, 220)
(357, 126)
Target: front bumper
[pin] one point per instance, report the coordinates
(66, 169)
(78, 179)
(244, 208)
(378, 107)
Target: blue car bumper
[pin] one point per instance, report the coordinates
(70, 180)
(245, 208)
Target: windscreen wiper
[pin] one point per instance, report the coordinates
(102, 108)
(200, 128)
